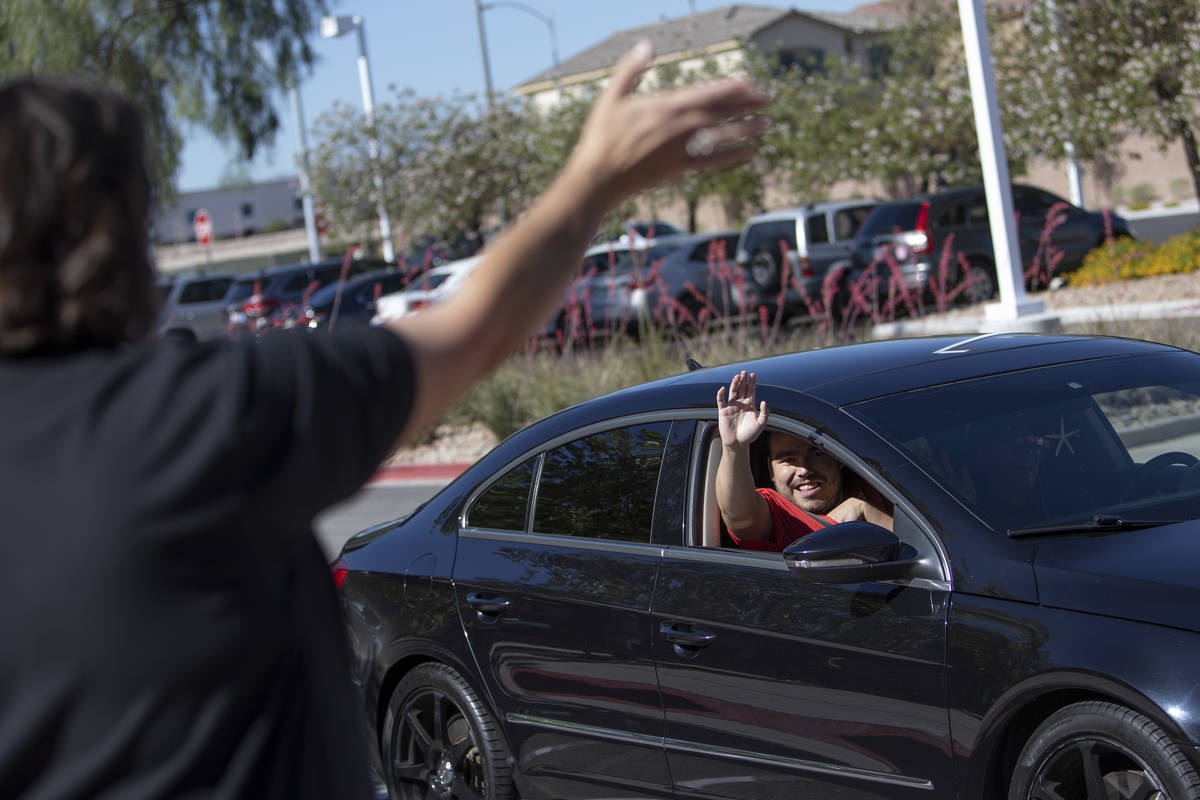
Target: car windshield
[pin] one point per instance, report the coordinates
(1108, 439)
(890, 217)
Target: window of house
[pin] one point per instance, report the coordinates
(247, 210)
(804, 60)
(602, 486)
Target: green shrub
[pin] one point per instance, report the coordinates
(1181, 189)
(1142, 195)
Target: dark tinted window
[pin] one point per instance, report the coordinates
(242, 289)
(953, 217)
(504, 504)
(976, 212)
(847, 221)
(818, 230)
(719, 250)
(602, 486)
(891, 217)
(770, 235)
(205, 291)
(1030, 202)
(295, 283)
(1058, 444)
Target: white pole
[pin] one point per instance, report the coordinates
(310, 221)
(364, 78)
(996, 183)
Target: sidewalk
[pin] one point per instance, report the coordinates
(1044, 322)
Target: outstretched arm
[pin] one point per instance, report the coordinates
(744, 510)
(629, 143)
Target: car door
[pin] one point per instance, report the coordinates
(777, 688)
(553, 575)
(1060, 238)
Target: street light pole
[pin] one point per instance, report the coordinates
(487, 67)
(332, 28)
(310, 222)
(545, 19)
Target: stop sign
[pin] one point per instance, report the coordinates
(202, 227)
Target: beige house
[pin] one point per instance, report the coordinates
(799, 37)
(804, 38)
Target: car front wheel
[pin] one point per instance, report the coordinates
(440, 741)
(1102, 751)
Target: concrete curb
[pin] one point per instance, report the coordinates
(417, 473)
(1044, 322)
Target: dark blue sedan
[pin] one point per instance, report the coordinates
(566, 619)
(352, 302)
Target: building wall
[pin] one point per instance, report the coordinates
(237, 211)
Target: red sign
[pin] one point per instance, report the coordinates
(202, 227)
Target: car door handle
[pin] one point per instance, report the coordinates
(690, 639)
(488, 604)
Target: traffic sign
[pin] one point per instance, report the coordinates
(202, 227)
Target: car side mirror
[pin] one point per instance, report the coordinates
(852, 552)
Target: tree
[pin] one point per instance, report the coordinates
(214, 63)
(1099, 69)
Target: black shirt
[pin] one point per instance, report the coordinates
(170, 627)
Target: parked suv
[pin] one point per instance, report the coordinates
(913, 233)
(193, 306)
(814, 237)
(274, 298)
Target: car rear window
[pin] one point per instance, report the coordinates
(504, 504)
(890, 217)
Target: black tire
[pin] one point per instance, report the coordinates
(181, 335)
(440, 741)
(982, 286)
(764, 270)
(1097, 750)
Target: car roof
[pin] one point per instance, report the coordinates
(642, 243)
(452, 267)
(822, 207)
(858, 372)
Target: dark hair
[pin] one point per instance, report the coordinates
(75, 265)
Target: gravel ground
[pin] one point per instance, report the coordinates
(462, 445)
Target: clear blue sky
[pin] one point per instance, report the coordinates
(432, 47)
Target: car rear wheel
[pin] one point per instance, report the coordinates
(981, 282)
(439, 741)
(1102, 751)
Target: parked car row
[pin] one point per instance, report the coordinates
(306, 295)
(840, 258)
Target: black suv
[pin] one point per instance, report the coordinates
(275, 298)
(917, 233)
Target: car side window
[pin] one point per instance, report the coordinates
(818, 230)
(504, 504)
(603, 485)
(953, 217)
(296, 283)
(976, 212)
(847, 221)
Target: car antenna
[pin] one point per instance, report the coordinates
(693, 364)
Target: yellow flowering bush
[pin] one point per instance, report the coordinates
(1125, 258)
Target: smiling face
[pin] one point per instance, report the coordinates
(804, 473)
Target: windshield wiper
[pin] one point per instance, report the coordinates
(1100, 522)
